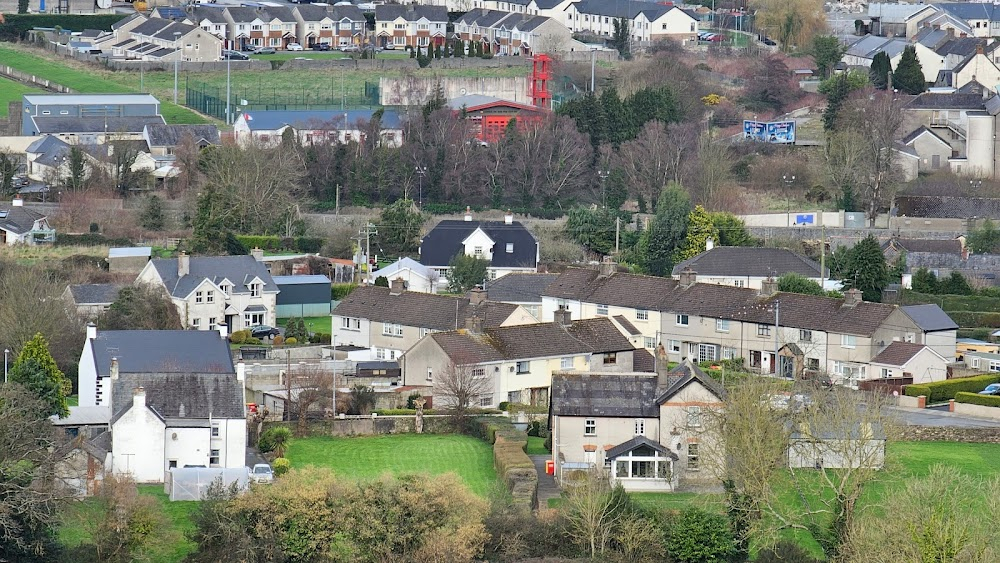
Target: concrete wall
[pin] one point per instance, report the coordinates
(979, 411)
(414, 91)
(951, 434)
(788, 219)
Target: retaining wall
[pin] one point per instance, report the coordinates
(951, 434)
(979, 411)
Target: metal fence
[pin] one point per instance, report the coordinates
(211, 99)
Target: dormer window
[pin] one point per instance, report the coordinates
(226, 288)
(255, 290)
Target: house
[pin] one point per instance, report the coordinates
(338, 26)
(509, 246)
(515, 363)
(159, 39)
(302, 296)
(19, 224)
(415, 276)
(744, 266)
(411, 25)
(933, 150)
(129, 259)
(962, 118)
(490, 115)
(390, 320)
(982, 361)
(898, 20)
(211, 292)
(266, 127)
(862, 52)
(979, 67)
(648, 22)
(90, 300)
(936, 329)
(846, 445)
(505, 33)
(524, 290)
(983, 19)
(963, 345)
(88, 119)
(211, 19)
(645, 431)
(263, 26)
(82, 463)
(905, 359)
(162, 140)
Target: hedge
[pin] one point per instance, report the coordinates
(16, 26)
(309, 245)
(339, 291)
(977, 399)
(941, 391)
(89, 239)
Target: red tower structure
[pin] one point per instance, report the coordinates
(541, 74)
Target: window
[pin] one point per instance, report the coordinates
(199, 297)
(886, 372)
(430, 374)
(226, 288)
(590, 427)
(566, 363)
(510, 248)
(648, 342)
(478, 372)
(253, 319)
(255, 290)
(763, 330)
(477, 251)
(805, 336)
(392, 329)
(215, 429)
(602, 310)
(707, 352)
(675, 346)
(681, 320)
(910, 337)
(994, 365)
(209, 297)
(213, 459)
(640, 427)
(486, 401)
(848, 341)
(610, 358)
(694, 417)
(812, 363)
(722, 325)
(348, 323)
(641, 315)
(196, 323)
(728, 353)
(212, 324)
(693, 457)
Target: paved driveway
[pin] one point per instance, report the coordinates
(936, 417)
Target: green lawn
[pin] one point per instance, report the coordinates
(11, 91)
(313, 324)
(371, 456)
(536, 446)
(73, 401)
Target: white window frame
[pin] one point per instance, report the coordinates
(214, 454)
(721, 325)
(642, 314)
(566, 362)
(392, 329)
(675, 346)
(196, 323)
(255, 290)
(763, 330)
(694, 417)
(648, 342)
(640, 427)
(199, 297)
(602, 310)
(805, 335)
(215, 430)
(848, 341)
(209, 296)
(682, 320)
(590, 427)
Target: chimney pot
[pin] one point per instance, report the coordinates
(474, 324)
(852, 297)
(563, 317)
(183, 264)
(17, 201)
(662, 366)
(608, 266)
(688, 277)
(397, 286)
(508, 219)
(769, 287)
(91, 331)
(477, 296)
(709, 244)
(468, 213)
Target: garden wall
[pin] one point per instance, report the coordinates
(980, 411)
(951, 434)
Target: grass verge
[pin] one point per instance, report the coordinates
(11, 91)
(313, 324)
(536, 446)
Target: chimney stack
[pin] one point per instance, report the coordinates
(241, 371)
(397, 286)
(17, 202)
(183, 264)
(563, 317)
(91, 331)
(114, 369)
(139, 398)
(688, 277)
(768, 287)
(468, 213)
(508, 218)
(608, 266)
(662, 367)
(477, 295)
(223, 330)
(474, 324)
(258, 254)
(709, 244)
(852, 297)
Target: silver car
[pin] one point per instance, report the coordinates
(261, 473)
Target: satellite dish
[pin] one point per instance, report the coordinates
(462, 91)
(104, 4)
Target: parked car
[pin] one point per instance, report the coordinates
(321, 47)
(265, 51)
(235, 55)
(262, 473)
(991, 389)
(349, 48)
(294, 47)
(264, 331)
(389, 47)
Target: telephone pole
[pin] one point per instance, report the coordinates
(367, 233)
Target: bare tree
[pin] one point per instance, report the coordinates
(315, 388)
(187, 154)
(460, 387)
(844, 153)
(593, 511)
(125, 530)
(876, 117)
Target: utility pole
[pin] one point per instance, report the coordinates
(822, 259)
(776, 328)
(618, 230)
(338, 200)
(367, 233)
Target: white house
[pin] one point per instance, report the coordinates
(21, 225)
(267, 127)
(905, 359)
(214, 291)
(647, 21)
(415, 275)
(509, 246)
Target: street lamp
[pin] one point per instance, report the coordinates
(603, 175)
(788, 179)
(177, 36)
(229, 114)
(421, 172)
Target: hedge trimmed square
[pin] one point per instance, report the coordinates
(977, 399)
(940, 391)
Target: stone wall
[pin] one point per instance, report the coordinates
(369, 426)
(951, 434)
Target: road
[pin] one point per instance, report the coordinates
(936, 417)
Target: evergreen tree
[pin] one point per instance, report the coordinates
(77, 169)
(699, 230)
(151, 216)
(909, 75)
(956, 284)
(866, 269)
(36, 369)
(615, 112)
(839, 91)
(797, 283)
(466, 272)
(880, 70)
(985, 239)
(924, 281)
(827, 52)
(460, 48)
(732, 230)
(400, 226)
(381, 281)
(438, 52)
(209, 224)
(666, 231)
(620, 38)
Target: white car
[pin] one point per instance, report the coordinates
(261, 473)
(294, 47)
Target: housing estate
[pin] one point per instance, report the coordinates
(524, 290)
(411, 25)
(516, 363)
(89, 119)
(518, 33)
(21, 225)
(266, 127)
(647, 432)
(161, 39)
(261, 26)
(648, 22)
(212, 292)
(743, 266)
(508, 246)
(390, 320)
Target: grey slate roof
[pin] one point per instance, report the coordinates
(181, 395)
(627, 446)
(95, 293)
(929, 318)
(482, 17)
(410, 12)
(934, 100)
(46, 144)
(445, 241)
(132, 17)
(213, 15)
(272, 120)
(604, 395)
(239, 270)
(971, 10)
(423, 310)
(946, 207)
(923, 129)
(740, 261)
(683, 375)
(162, 351)
(622, 8)
(519, 288)
(162, 135)
(18, 219)
(47, 124)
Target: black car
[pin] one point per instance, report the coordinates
(321, 47)
(235, 56)
(264, 331)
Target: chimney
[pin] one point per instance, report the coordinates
(709, 244)
(139, 398)
(114, 369)
(241, 371)
(17, 202)
(258, 254)
(979, 49)
(508, 218)
(397, 286)
(91, 331)
(477, 295)
(183, 264)
(662, 367)
(181, 411)
(474, 324)
(608, 266)
(563, 317)
(688, 277)
(768, 287)
(852, 297)
(468, 213)
(223, 330)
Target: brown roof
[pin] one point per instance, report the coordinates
(424, 310)
(467, 348)
(630, 290)
(627, 325)
(601, 335)
(898, 353)
(574, 283)
(643, 360)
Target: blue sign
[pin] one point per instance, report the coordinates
(781, 132)
(807, 219)
(754, 130)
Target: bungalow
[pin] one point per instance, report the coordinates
(415, 276)
(905, 359)
(742, 266)
(21, 225)
(963, 345)
(92, 299)
(266, 127)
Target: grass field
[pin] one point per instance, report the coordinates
(11, 91)
(313, 324)
(371, 456)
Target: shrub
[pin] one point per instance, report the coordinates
(401, 412)
(274, 439)
(977, 399)
(785, 551)
(90, 239)
(291, 340)
(341, 290)
(504, 406)
(534, 427)
(411, 401)
(280, 466)
(239, 337)
(320, 338)
(696, 535)
(943, 390)
(278, 340)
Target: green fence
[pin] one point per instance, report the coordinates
(210, 99)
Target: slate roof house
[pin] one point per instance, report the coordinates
(938, 329)
(21, 225)
(521, 289)
(163, 139)
(644, 431)
(266, 127)
(508, 246)
(517, 362)
(211, 292)
(92, 299)
(416, 26)
(905, 359)
(415, 276)
(744, 266)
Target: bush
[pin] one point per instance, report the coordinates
(280, 466)
(341, 290)
(940, 391)
(977, 399)
(534, 428)
(278, 340)
(785, 551)
(320, 338)
(696, 535)
(291, 340)
(240, 337)
(90, 239)
(274, 439)
(504, 406)
(279, 244)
